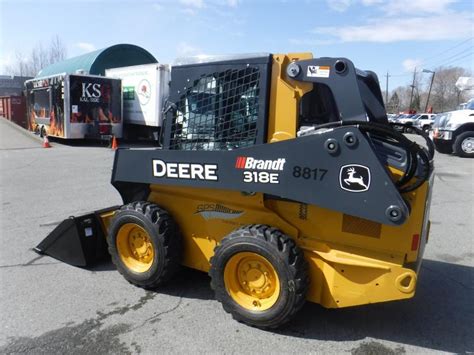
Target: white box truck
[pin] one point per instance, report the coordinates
(145, 88)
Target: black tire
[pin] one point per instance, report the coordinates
(409, 130)
(42, 132)
(426, 128)
(164, 236)
(462, 147)
(287, 261)
(443, 147)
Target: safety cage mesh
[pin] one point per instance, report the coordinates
(218, 112)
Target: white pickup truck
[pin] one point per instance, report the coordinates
(424, 121)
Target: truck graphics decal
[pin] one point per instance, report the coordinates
(45, 99)
(217, 211)
(90, 92)
(188, 171)
(96, 102)
(144, 91)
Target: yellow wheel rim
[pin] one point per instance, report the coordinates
(135, 247)
(251, 281)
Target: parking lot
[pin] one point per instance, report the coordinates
(49, 307)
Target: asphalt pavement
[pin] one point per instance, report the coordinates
(48, 307)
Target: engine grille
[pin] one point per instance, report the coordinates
(356, 225)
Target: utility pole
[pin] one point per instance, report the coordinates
(412, 88)
(386, 91)
(431, 85)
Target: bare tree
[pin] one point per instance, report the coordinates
(39, 58)
(393, 105)
(416, 103)
(445, 96)
(403, 94)
(57, 50)
(21, 65)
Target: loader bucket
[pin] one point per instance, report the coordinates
(79, 241)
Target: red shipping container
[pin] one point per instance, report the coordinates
(4, 106)
(14, 109)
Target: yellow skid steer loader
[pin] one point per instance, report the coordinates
(280, 176)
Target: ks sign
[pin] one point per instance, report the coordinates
(90, 92)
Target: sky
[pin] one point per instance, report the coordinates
(392, 36)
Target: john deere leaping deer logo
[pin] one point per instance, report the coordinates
(354, 178)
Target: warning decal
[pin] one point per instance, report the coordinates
(317, 71)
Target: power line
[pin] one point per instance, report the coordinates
(407, 74)
(457, 59)
(446, 50)
(436, 56)
(444, 64)
(452, 56)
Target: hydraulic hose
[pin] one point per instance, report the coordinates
(414, 151)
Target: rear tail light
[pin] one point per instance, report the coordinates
(105, 128)
(415, 241)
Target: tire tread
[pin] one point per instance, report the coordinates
(457, 144)
(171, 242)
(287, 249)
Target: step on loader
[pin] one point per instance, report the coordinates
(280, 176)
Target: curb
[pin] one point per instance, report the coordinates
(22, 130)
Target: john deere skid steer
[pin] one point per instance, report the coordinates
(279, 176)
